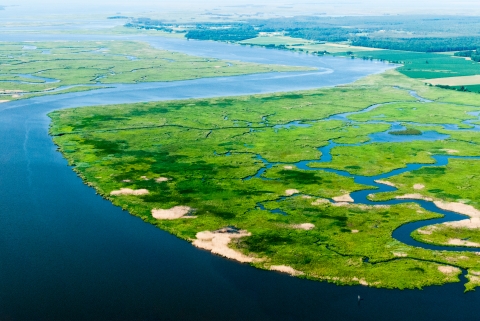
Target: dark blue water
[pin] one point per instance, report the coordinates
(67, 254)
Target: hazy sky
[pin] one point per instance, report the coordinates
(324, 6)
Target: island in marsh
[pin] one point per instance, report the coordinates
(241, 177)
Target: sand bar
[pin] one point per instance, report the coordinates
(472, 223)
(459, 208)
(285, 269)
(462, 243)
(344, 199)
(384, 182)
(217, 243)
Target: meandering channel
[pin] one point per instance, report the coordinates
(403, 233)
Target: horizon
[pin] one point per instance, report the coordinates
(268, 7)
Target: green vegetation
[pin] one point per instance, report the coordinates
(57, 64)
(425, 65)
(442, 234)
(473, 54)
(227, 34)
(408, 33)
(433, 113)
(407, 131)
(415, 64)
(456, 182)
(206, 152)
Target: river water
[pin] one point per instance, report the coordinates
(67, 254)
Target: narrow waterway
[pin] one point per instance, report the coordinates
(403, 233)
(67, 254)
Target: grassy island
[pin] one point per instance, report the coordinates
(222, 173)
(406, 132)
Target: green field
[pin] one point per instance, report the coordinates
(91, 63)
(416, 64)
(425, 65)
(181, 155)
(304, 45)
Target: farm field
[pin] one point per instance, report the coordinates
(437, 68)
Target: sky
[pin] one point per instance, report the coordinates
(282, 7)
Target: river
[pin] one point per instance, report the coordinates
(67, 254)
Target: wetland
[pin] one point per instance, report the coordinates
(300, 178)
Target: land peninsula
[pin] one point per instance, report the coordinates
(271, 179)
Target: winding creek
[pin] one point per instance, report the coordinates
(363, 197)
(67, 254)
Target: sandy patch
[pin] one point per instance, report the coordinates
(450, 151)
(338, 204)
(304, 226)
(344, 198)
(361, 281)
(172, 213)
(320, 201)
(414, 197)
(145, 178)
(161, 179)
(288, 167)
(307, 197)
(456, 81)
(4, 101)
(11, 91)
(399, 254)
(425, 232)
(448, 269)
(355, 231)
(217, 243)
(290, 192)
(459, 208)
(16, 96)
(129, 191)
(127, 181)
(285, 269)
(477, 273)
(462, 243)
(418, 187)
(384, 182)
(469, 223)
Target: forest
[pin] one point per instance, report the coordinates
(408, 33)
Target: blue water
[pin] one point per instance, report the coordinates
(33, 77)
(67, 254)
